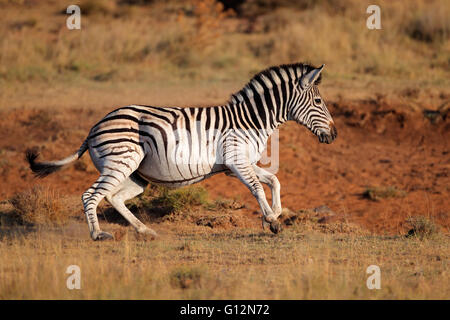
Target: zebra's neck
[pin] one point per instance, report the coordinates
(269, 95)
(265, 99)
(255, 113)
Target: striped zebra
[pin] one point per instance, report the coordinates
(175, 147)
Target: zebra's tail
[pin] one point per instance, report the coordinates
(43, 169)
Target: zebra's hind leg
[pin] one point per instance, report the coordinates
(91, 198)
(114, 173)
(129, 189)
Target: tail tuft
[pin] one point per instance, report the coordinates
(40, 169)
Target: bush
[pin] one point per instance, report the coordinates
(39, 206)
(430, 24)
(422, 227)
(180, 199)
(186, 277)
(90, 7)
(377, 193)
(161, 201)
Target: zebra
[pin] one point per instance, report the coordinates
(174, 147)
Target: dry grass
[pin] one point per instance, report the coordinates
(197, 39)
(186, 277)
(168, 203)
(142, 53)
(191, 260)
(174, 201)
(423, 228)
(312, 221)
(189, 263)
(36, 206)
(382, 192)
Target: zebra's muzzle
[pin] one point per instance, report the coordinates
(328, 137)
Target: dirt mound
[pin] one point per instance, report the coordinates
(226, 220)
(321, 219)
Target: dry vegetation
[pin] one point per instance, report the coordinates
(196, 39)
(39, 205)
(386, 178)
(377, 193)
(422, 227)
(191, 261)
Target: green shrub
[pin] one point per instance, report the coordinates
(181, 199)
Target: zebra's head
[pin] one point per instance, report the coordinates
(308, 107)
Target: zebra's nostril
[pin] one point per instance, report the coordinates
(333, 131)
(321, 137)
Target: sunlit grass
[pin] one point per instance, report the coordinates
(232, 264)
(196, 40)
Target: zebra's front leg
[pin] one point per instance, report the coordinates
(246, 173)
(271, 180)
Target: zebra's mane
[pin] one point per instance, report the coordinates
(286, 71)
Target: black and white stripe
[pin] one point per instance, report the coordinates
(173, 146)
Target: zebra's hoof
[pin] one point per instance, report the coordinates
(102, 235)
(147, 233)
(275, 227)
(265, 224)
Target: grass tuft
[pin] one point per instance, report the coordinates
(186, 277)
(431, 24)
(222, 204)
(181, 199)
(39, 206)
(161, 201)
(377, 193)
(102, 7)
(422, 228)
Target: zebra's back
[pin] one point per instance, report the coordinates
(177, 145)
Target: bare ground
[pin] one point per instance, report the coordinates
(380, 144)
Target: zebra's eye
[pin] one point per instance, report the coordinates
(318, 101)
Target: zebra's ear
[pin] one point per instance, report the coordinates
(309, 78)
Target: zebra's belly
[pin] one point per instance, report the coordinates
(177, 173)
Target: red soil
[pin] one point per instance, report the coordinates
(378, 144)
